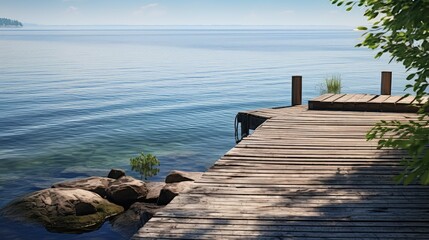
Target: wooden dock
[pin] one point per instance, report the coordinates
(302, 174)
(366, 102)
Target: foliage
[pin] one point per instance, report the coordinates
(8, 22)
(332, 84)
(145, 164)
(400, 28)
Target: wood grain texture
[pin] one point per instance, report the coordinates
(365, 102)
(303, 174)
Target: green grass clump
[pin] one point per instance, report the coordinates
(332, 84)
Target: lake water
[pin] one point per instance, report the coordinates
(76, 102)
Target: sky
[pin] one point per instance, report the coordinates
(180, 12)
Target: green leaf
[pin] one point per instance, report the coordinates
(411, 76)
(400, 29)
(378, 55)
(410, 178)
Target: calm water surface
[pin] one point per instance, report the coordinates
(77, 102)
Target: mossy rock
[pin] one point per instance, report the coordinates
(93, 184)
(62, 209)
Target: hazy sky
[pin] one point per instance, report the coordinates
(180, 12)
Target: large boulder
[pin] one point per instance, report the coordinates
(129, 222)
(62, 209)
(94, 184)
(180, 176)
(126, 191)
(154, 189)
(171, 190)
(116, 173)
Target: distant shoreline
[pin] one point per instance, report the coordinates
(182, 27)
(10, 23)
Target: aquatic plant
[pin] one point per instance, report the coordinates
(332, 84)
(145, 164)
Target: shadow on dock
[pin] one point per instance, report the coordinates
(303, 174)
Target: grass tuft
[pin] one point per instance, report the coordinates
(332, 84)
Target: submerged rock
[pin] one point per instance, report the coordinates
(98, 185)
(171, 190)
(116, 173)
(180, 176)
(62, 209)
(126, 191)
(129, 222)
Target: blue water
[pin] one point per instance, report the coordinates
(77, 102)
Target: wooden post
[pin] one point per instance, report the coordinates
(386, 83)
(296, 90)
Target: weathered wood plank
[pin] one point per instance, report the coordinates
(323, 97)
(423, 100)
(333, 98)
(296, 193)
(379, 99)
(303, 174)
(364, 102)
(366, 98)
(406, 100)
(344, 98)
(285, 227)
(393, 99)
(355, 98)
(297, 216)
(283, 222)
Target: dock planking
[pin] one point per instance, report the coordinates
(366, 102)
(302, 174)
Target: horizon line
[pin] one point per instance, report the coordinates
(230, 25)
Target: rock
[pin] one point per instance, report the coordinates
(180, 176)
(116, 173)
(154, 189)
(129, 222)
(126, 191)
(62, 209)
(94, 184)
(171, 190)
